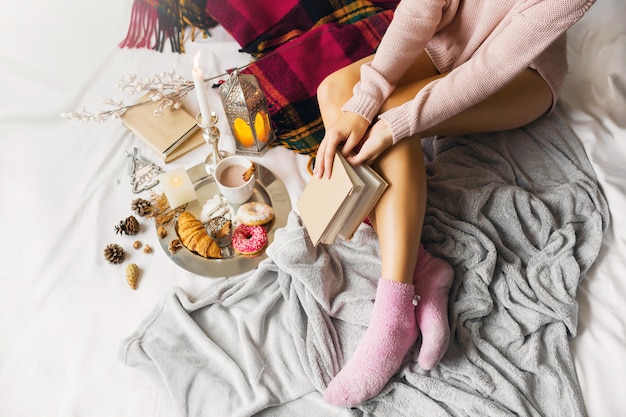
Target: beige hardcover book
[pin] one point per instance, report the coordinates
(335, 207)
(170, 135)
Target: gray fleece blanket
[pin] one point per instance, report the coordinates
(520, 217)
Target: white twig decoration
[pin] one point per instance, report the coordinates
(167, 88)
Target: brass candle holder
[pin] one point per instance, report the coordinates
(211, 135)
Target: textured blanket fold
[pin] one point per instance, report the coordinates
(520, 217)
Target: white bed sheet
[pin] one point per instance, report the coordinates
(63, 186)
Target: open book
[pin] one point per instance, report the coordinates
(335, 207)
(171, 134)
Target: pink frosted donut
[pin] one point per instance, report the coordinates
(249, 240)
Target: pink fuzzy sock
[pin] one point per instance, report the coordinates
(390, 334)
(433, 279)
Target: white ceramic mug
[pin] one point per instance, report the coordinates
(229, 179)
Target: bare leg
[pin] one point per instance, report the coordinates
(392, 328)
(401, 209)
(517, 104)
(398, 220)
(402, 206)
(399, 215)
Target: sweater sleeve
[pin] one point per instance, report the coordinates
(413, 24)
(499, 60)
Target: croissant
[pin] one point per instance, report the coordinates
(194, 236)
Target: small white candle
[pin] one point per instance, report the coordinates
(198, 81)
(177, 187)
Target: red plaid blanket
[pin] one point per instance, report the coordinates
(297, 43)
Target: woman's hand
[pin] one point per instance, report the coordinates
(375, 142)
(349, 129)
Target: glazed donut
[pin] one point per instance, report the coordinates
(249, 240)
(255, 213)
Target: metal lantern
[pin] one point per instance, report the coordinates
(245, 106)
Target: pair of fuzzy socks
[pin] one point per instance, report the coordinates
(393, 329)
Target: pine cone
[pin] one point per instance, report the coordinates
(130, 226)
(132, 273)
(141, 207)
(114, 253)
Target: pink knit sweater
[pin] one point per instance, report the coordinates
(484, 45)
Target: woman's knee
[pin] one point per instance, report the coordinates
(336, 88)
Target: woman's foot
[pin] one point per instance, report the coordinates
(391, 333)
(433, 279)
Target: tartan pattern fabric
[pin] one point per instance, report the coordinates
(152, 22)
(261, 26)
(295, 43)
(289, 75)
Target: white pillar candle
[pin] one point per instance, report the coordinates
(177, 187)
(198, 81)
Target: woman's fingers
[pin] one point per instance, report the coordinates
(318, 171)
(326, 153)
(333, 140)
(375, 142)
(347, 132)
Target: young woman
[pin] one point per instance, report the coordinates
(444, 67)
